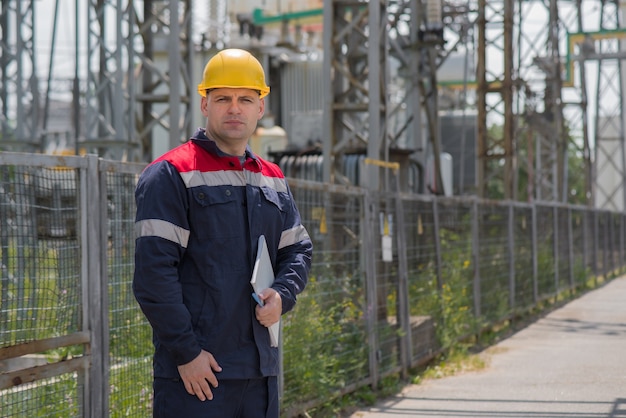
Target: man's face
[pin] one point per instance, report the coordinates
(232, 116)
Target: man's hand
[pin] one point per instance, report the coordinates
(269, 313)
(198, 375)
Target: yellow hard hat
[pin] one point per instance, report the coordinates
(234, 68)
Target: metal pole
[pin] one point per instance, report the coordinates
(371, 308)
(511, 249)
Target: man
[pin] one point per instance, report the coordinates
(201, 208)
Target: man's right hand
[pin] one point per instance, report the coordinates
(198, 375)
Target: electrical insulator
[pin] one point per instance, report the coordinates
(434, 19)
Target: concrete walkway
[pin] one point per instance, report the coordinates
(569, 364)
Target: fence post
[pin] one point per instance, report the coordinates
(511, 239)
(585, 240)
(476, 257)
(96, 289)
(596, 239)
(404, 313)
(570, 243)
(606, 248)
(555, 248)
(437, 235)
(101, 248)
(369, 263)
(612, 249)
(621, 241)
(535, 253)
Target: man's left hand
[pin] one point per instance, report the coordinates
(269, 313)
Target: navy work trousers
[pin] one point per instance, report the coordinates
(246, 398)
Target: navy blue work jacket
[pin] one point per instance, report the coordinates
(199, 216)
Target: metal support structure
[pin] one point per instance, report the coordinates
(355, 76)
(139, 85)
(576, 113)
(135, 84)
(555, 107)
(405, 107)
(19, 89)
(550, 92)
(553, 147)
(371, 108)
(610, 132)
(133, 90)
(108, 121)
(429, 48)
(218, 34)
(495, 93)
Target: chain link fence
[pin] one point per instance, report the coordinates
(396, 278)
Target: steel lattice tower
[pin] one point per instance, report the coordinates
(355, 78)
(608, 50)
(19, 89)
(543, 66)
(534, 81)
(130, 97)
(123, 94)
(380, 76)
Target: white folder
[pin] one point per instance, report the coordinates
(262, 278)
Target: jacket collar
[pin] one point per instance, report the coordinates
(199, 138)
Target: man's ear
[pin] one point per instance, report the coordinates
(262, 108)
(204, 101)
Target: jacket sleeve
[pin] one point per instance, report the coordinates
(162, 232)
(293, 261)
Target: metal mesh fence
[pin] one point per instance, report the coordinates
(457, 268)
(494, 258)
(617, 240)
(590, 229)
(381, 285)
(57, 397)
(395, 278)
(563, 254)
(546, 273)
(423, 278)
(524, 292)
(40, 285)
(324, 340)
(130, 336)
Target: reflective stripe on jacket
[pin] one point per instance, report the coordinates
(199, 216)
